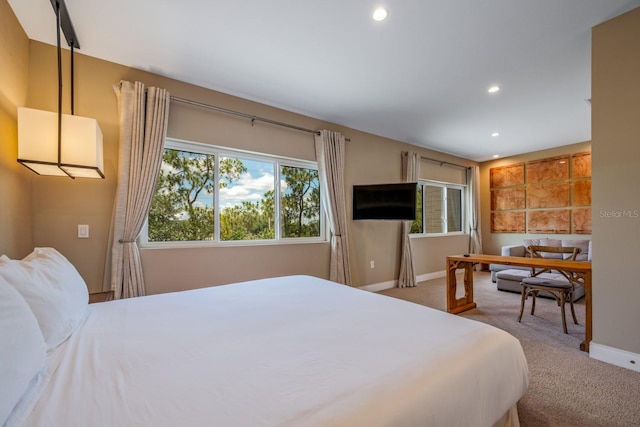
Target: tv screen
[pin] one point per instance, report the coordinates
(385, 201)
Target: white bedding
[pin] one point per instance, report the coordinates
(289, 351)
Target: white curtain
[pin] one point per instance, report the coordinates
(410, 173)
(475, 236)
(143, 128)
(330, 148)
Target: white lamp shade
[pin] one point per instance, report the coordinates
(81, 146)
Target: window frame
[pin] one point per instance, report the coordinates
(219, 152)
(444, 220)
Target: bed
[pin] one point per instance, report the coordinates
(285, 351)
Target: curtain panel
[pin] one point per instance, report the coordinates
(330, 147)
(143, 127)
(410, 173)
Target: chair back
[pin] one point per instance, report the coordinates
(537, 251)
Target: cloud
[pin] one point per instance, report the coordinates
(247, 188)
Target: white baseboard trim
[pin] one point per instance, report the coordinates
(376, 287)
(615, 356)
(430, 276)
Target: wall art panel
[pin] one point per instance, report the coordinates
(508, 199)
(581, 192)
(557, 195)
(508, 222)
(548, 170)
(581, 165)
(507, 176)
(549, 221)
(581, 220)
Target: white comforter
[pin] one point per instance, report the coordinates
(289, 351)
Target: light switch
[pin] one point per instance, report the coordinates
(83, 231)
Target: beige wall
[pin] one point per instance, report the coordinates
(15, 181)
(616, 173)
(492, 242)
(60, 204)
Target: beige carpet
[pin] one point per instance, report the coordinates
(566, 388)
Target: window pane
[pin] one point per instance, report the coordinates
(416, 226)
(182, 208)
(454, 209)
(433, 197)
(247, 199)
(300, 202)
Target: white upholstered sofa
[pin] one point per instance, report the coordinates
(507, 278)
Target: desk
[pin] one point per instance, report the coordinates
(457, 305)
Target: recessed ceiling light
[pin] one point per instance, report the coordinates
(495, 156)
(495, 134)
(380, 14)
(493, 89)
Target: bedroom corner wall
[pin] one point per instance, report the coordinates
(15, 180)
(616, 173)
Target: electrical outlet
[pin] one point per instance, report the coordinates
(372, 264)
(83, 231)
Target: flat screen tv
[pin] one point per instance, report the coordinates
(385, 201)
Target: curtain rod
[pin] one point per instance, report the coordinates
(245, 115)
(442, 162)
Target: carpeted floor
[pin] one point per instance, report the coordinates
(566, 387)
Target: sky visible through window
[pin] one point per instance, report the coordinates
(251, 186)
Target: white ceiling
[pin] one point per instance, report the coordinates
(421, 76)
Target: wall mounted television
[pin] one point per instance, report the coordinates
(385, 201)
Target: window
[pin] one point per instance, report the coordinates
(440, 208)
(210, 194)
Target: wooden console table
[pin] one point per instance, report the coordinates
(457, 305)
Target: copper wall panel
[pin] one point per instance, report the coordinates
(507, 176)
(581, 192)
(545, 184)
(556, 195)
(547, 170)
(507, 222)
(507, 199)
(581, 165)
(581, 221)
(549, 221)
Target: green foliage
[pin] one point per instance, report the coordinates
(416, 226)
(248, 221)
(300, 203)
(178, 213)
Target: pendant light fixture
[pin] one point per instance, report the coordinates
(59, 144)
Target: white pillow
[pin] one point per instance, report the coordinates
(22, 348)
(551, 242)
(582, 244)
(54, 290)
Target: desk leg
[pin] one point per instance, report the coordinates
(584, 346)
(458, 305)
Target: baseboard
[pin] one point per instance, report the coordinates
(377, 287)
(614, 356)
(430, 276)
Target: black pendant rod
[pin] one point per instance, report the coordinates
(60, 92)
(59, 85)
(65, 23)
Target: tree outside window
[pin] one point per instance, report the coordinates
(250, 191)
